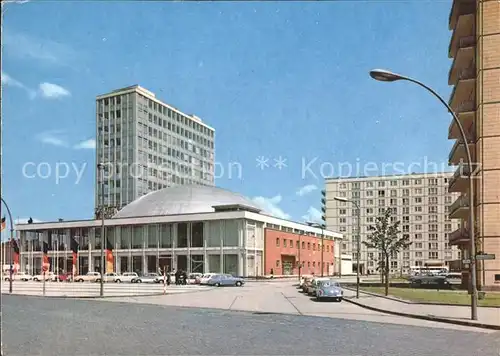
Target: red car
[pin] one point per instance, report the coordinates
(65, 277)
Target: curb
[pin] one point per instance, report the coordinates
(104, 297)
(427, 317)
(416, 303)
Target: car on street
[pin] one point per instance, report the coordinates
(306, 283)
(220, 280)
(311, 289)
(108, 277)
(329, 289)
(49, 276)
(20, 276)
(206, 277)
(64, 277)
(148, 278)
(126, 277)
(429, 279)
(194, 278)
(89, 277)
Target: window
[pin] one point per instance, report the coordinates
(418, 245)
(369, 184)
(417, 181)
(406, 182)
(394, 193)
(418, 209)
(394, 202)
(381, 202)
(291, 243)
(284, 242)
(381, 193)
(308, 245)
(277, 242)
(297, 245)
(433, 209)
(314, 247)
(369, 211)
(343, 220)
(418, 236)
(418, 200)
(418, 227)
(369, 193)
(342, 211)
(406, 192)
(303, 245)
(433, 181)
(433, 191)
(418, 217)
(433, 255)
(369, 202)
(381, 184)
(433, 237)
(343, 186)
(277, 263)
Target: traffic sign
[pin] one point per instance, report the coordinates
(466, 262)
(485, 256)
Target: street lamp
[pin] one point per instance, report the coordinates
(11, 240)
(100, 167)
(387, 76)
(322, 227)
(358, 239)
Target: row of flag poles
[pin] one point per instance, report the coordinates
(46, 262)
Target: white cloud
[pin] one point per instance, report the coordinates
(23, 46)
(9, 81)
(52, 91)
(270, 206)
(53, 138)
(306, 189)
(313, 215)
(85, 145)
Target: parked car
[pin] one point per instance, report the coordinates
(329, 289)
(219, 280)
(206, 277)
(108, 277)
(148, 278)
(64, 277)
(49, 276)
(89, 277)
(126, 277)
(311, 289)
(306, 284)
(194, 278)
(303, 280)
(20, 276)
(428, 279)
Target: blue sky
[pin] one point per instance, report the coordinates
(275, 79)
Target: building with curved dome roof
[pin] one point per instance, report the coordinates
(194, 228)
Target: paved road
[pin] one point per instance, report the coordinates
(275, 297)
(50, 326)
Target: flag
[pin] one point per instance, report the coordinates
(46, 260)
(15, 247)
(109, 256)
(2, 227)
(74, 248)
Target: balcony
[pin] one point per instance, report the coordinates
(463, 25)
(465, 55)
(458, 8)
(460, 208)
(465, 89)
(466, 113)
(458, 153)
(459, 237)
(460, 179)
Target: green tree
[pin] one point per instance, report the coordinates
(386, 238)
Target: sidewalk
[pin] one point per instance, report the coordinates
(487, 317)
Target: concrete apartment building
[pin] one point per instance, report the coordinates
(147, 145)
(419, 201)
(475, 75)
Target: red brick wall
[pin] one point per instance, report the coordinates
(310, 255)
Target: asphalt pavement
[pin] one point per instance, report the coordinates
(53, 326)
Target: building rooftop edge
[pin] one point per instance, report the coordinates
(139, 89)
(388, 176)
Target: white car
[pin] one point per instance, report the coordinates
(49, 276)
(206, 277)
(126, 277)
(148, 278)
(108, 277)
(89, 277)
(20, 276)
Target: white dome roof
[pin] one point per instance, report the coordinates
(183, 199)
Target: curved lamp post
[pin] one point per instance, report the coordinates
(358, 239)
(11, 239)
(100, 167)
(387, 76)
